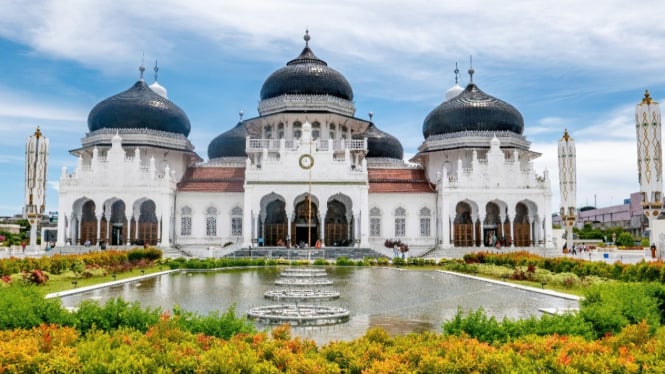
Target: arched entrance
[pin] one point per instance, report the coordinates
(306, 223)
(463, 225)
(275, 224)
(88, 231)
(492, 229)
(118, 224)
(336, 225)
(522, 226)
(148, 230)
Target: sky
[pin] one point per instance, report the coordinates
(581, 66)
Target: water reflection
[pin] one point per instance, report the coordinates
(400, 301)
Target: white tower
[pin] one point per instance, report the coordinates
(568, 184)
(649, 159)
(36, 157)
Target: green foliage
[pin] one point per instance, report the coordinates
(23, 307)
(625, 239)
(478, 325)
(114, 314)
(645, 242)
(223, 325)
(344, 261)
(78, 267)
(149, 254)
(321, 261)
(612, 306)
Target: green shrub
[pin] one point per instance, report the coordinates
(23, 307)
(609, 307)
(625, 240)
(113, 314)
(344, 261)
(223, 325)
(478, 325)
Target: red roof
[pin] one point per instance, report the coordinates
(213, 179)
(398, 180)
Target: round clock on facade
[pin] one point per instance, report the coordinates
(306, 161)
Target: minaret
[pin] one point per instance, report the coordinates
(568, 185)
(36, 157)
(649, 159)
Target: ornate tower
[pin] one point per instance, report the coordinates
(649, 158)
(36, 157)
(568, 184)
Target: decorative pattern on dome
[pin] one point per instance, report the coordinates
(473, 109)
(229, 144)
(380, 144)
(139, 107)
(308, 75)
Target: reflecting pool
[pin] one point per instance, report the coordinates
(400, 301)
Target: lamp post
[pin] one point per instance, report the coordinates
(568, 185)
(649, 160)
(36, 157)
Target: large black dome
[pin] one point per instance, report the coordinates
(229, 144)
(137, 108)
(306, 75)
(473, 109)
(381, 144)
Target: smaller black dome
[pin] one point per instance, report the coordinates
(473, 109)
(139, 108)
(306, 75)
(229, 144)
(381, 144)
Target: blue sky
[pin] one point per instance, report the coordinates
(566, 64)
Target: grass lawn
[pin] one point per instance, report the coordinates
(63, 282)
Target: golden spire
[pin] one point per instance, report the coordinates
(38, 133)
(647, 98)
(566, 137)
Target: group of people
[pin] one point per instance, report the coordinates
(577, 248)
(302, 244)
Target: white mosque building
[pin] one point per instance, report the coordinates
(305, 169)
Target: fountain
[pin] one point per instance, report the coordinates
(305, 314)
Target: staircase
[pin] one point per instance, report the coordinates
(329, 253)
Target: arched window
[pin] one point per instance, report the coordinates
(211, 221)
(425, 222)
(280, 131)
(236, 221)
(400, 222)
(268, 131)
(186, 221)
(343, 131)
(316, 130)
(297, 130)
(333, 131)
(375, 222)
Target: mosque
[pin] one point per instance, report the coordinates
(305, 170)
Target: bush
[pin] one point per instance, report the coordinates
(215, 324)
(114, 314)
(610, 307)
(23, 307)
(625, 240)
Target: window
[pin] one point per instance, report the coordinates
(400, 222)
(268, 132)
(236, 222)
(425, 222)
(297, 130)
(316, 130)
(375, 222)
(211, 222)
(186, 221)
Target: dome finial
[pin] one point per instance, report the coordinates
(647, 98)
(156, 69)
(142, 68)
(456, 73)
(241, 113)
(371, 115)
(306, 37)
(471, 71)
